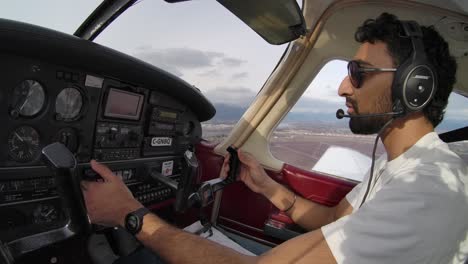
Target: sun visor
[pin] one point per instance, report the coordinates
(277, 22)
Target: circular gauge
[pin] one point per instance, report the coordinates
(188, 128)
(45, 213)
(28, 98)
(23, 144)
(68, 137)
(68, 104)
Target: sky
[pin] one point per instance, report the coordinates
(200, 42)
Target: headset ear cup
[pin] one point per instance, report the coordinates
(415, 81)
(414, 85)
(419, 86)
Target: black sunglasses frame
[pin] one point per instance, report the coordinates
(355, 72)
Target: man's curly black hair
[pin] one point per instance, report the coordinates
(387, 28)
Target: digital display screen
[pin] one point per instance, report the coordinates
(167, 114)
(164, 126)
(123, 104)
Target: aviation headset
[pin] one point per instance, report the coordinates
(415, 81)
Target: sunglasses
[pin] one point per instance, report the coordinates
(356, 72)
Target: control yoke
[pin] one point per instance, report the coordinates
(205, 194)
(62, 163)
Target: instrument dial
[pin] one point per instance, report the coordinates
(23, 144)
(45, 213)
(28, 99)
(68, 104)
(69, 138)
(188, 128)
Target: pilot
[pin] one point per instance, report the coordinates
(415, 211)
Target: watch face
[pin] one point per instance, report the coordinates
(132, 223)
(134, 220)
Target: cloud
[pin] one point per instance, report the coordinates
(232, 62)
(210, 73)
(144, 47)
(238, 96)
(180, 60)
(240, 75)
(169, 68)
(184, 58)
(215, 54)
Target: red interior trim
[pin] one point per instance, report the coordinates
(317, 187)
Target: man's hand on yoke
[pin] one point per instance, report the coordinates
(108, 201)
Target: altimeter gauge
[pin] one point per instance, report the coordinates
(68, 104)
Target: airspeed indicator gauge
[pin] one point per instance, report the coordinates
(68, 104)
(28, 99)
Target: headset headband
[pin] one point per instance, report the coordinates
(415, 80)
(413, 31)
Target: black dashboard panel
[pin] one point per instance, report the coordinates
(102, 105)
(48, 125)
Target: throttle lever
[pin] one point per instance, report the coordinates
(159, 177)
(183, 188)
(190, 168)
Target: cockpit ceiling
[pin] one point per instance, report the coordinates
(339, 21)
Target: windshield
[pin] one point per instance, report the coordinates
(199, 41)
(202, 43)
(61, 15)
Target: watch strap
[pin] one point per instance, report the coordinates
(141, 212)
(134, 220)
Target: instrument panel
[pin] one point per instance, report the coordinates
(129, 127)
(95, 117)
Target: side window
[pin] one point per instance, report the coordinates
(456, 116)
(312, 138)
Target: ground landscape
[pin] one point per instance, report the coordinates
(303, 143)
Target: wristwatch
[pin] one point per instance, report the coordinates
(134, 220)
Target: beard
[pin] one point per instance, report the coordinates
(371, 125)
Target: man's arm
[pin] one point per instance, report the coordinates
(305, 213)
(109, 202)
(177, 246)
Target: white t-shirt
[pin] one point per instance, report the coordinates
(417, 212)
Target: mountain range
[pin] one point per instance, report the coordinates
(226, 113)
